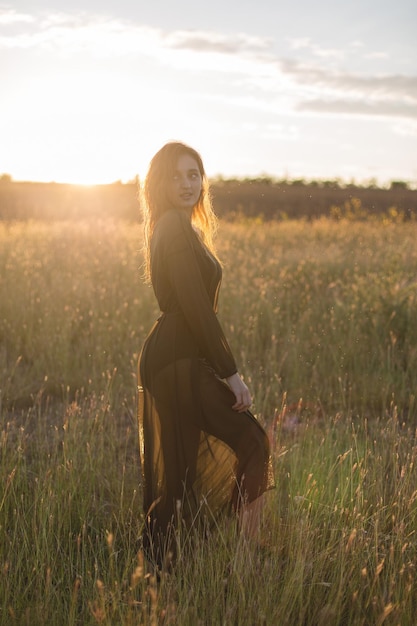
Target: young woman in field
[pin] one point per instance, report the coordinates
(202, 451)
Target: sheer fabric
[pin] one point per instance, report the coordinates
(197, 453)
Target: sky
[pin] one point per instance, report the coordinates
(90, 90)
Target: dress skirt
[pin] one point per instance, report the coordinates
(199, 456)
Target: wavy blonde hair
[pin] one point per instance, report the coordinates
(154, 198)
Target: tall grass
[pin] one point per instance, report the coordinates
(321, 311)
(324, 311)
(340, 529)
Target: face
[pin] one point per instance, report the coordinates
(184, 188)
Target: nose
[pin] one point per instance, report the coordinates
(185, 183)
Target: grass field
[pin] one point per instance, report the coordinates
(322, 318)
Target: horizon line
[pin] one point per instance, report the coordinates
(218, 178)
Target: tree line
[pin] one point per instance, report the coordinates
(261, 198)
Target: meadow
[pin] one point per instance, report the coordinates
(322, 318)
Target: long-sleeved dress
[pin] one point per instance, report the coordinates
(197, 453)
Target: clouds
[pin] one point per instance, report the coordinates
(311, 85)
(107, 83)
(314, 49)
(352, 107)
(9, 16)
(339, 92)
(200, 41)
(356, 84)
(70, 34)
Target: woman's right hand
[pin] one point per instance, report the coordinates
(242, 393)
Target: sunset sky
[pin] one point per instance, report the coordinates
(317, 90)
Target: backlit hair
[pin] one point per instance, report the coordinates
(155, 202)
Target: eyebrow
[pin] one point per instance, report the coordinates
(192, 170)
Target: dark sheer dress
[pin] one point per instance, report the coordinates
(198, 455)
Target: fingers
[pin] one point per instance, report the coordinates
(243, 402)
(240, 408)
(241, 393)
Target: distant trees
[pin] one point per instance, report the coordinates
(399, 184)
(262, 197)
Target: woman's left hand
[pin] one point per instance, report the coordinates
(242, 393)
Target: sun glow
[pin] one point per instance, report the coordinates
(85, 129)
(92, 111)
(88, 98)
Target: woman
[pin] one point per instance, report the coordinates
(201, 448)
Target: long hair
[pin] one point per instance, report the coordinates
(155, 202)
